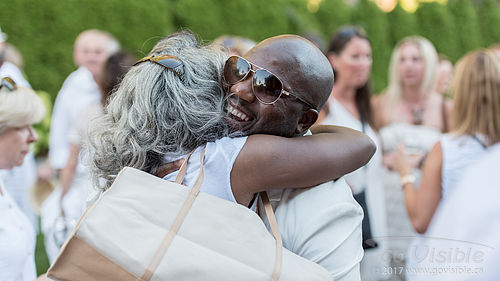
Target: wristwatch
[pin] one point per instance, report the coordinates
(406, 179)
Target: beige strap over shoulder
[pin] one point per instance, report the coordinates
(181, 215)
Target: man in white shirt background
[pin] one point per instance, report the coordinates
(91, 50)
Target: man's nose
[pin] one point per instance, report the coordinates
(243, 89)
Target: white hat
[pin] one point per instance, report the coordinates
(3, 36)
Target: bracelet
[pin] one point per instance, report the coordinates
(406, 179)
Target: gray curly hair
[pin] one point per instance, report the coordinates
(156, 112)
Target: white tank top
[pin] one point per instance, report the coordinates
(219, 159)
(458, 153)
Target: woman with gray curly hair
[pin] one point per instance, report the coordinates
(173, 102)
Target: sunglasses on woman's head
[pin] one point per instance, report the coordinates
(266, 86)
(171, 63)
(8, 83)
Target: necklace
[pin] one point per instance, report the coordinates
(417, 114)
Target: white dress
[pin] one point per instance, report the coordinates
(400, 233)
(459, 153)
(17, 242)
(466, 227)
(367, 178)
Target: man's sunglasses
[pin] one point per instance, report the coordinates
(8, 83)
(171, 63)
(266, 86)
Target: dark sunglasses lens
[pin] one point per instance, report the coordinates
(235, 69)
(170, 63)
(266, 86)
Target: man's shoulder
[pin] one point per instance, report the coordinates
(323, 224)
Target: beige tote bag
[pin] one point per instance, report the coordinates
(146, 228)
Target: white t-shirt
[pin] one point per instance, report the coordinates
(78, 91)
(323, 225)
(219, 159)
(464, 234)
(17, 242)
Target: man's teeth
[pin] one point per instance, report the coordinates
(238, 113)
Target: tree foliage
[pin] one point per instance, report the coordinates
(402, 24)
(44, 31)
(489, 13)
(466, 22)
(436, 24)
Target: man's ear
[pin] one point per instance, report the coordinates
(306, 121)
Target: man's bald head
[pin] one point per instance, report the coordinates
(304, 72)
(302, 67)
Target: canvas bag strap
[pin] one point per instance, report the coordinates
(181, 215)
(271, 218)
(182, 171)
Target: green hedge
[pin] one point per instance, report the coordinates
(44, 31)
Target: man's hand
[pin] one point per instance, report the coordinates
(168, 168)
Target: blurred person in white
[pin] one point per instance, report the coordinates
(91, 50)
(468, 221)
(350, 55)
(408, 112)
(62, 209)
(20, 108)
(475, 127)
(19, 180)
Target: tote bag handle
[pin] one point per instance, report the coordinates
(181, 215)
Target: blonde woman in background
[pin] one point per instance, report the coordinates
(475, 121)
(475, 126)
(20, 108)
(412, 114)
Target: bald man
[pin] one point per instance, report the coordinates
(322, 223)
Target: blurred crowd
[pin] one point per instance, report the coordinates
(436, 127)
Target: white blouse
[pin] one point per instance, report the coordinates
(17, 243)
